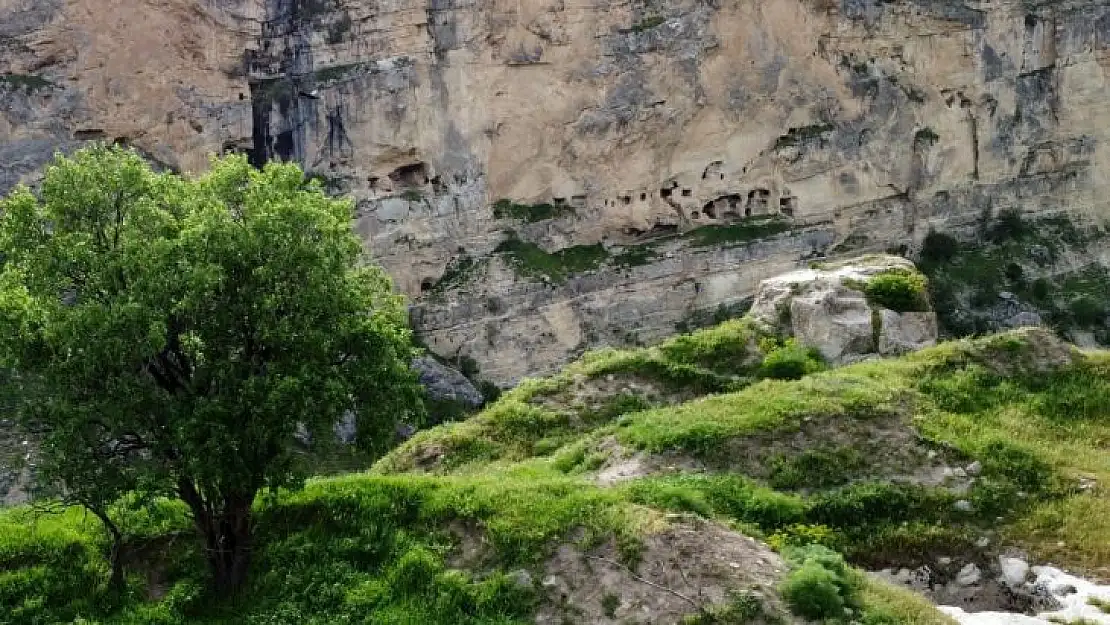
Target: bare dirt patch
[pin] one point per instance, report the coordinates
(691, 566)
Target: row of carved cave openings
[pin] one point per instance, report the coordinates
(757, 202)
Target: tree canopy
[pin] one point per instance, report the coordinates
(179, 331)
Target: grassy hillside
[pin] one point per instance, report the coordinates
(857, 455)
(634, 470)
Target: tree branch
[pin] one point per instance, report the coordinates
(646, 581)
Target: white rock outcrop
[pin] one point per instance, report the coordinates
(825, 308)
(1073, 593)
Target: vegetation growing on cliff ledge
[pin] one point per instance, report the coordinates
(530, 260)
(1019, 265)
(742, 232)
(529, 213)
(28, 83)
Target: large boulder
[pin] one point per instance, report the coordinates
(827, 307)
(444, 383)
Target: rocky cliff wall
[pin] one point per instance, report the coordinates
(546, 175)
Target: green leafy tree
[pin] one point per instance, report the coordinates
(180, 331)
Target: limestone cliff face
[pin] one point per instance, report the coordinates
(542, 175)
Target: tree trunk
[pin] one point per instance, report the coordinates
(225, 526)
(115, 554)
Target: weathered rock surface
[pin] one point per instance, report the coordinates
(663, 132)
(444, 383)
(825, 309)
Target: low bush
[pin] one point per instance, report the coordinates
(900, 290)
(790, 360)
(822, 585)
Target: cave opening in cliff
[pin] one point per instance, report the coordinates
(787, 205)
(411, 175)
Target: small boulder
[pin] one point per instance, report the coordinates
(1024, 319)
(900, 333)
(1014, 571)
(974, 469)
(969, 575)
(444, 383)
(826, 308)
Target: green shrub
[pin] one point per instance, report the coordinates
(726, 348)
(791, 361)
(1003, 459)
(507, 209)
(802, 534)
(741, 608)
(732, 234)
(490, 391)
(821, 586)
(530, 260)
(875, 503)
(900, 290)
(939, 247)
(732, 496)
(814, 468)
(1087, 311)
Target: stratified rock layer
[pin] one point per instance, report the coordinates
(684, 149)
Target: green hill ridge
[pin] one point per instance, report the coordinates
(625, 489)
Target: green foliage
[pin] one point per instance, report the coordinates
(704, 427)
(733, 234)
(699, 319)
(821, 586)
(609, 605)
(614, 407)
(335, 552)
(28, 83)
(814, 468)
(874, 503)
(412, 195)
(728, 348)
(790, 360)
(490, 391)
(182, 329)
(732, 496)
(636, 255)
(802, 534)
(459, 272)
(1024, 257)
(531, 261)
(337, 73)
(647, 23)
(529, 213)
(900, 290)
(741, 608)
(1102, 604)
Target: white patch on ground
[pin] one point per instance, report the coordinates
(1072, 592)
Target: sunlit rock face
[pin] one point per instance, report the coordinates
(542, 176)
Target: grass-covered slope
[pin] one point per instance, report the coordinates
(867, 458)
(614, 493)
(541, 416)
(504, 548)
